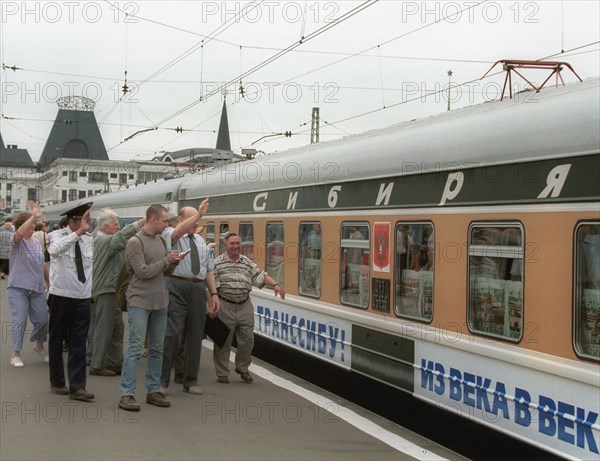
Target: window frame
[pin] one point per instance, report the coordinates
(242, 237)
(397, 277)
(319, 292)
(222, 235)
(577, 296)
(496, 251)
(355, 244)
(281, 273)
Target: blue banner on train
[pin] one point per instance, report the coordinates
(317, 334)
(560, 414)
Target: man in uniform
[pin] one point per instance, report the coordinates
(71, 252)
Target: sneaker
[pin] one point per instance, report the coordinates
(17, 362)
(128, 403)
(59, 390)
(102, 372)
(223, 379)
(158, 399)
(81, 394)
(43, 354)
(194, 390)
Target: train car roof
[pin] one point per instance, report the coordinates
(159, 192)
(555, 122)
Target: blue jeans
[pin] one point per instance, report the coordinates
(141, 321)
(23, 303)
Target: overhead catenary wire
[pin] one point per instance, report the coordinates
(273, 58)
(278, 55)
(429, 94)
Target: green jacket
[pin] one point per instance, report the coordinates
(108, 258)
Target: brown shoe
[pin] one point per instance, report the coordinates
(102, 372)
(129, 403)
(81, 394)
(246, 377)
(115, 370)
(223, 379)
(158, 399)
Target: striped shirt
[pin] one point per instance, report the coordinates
(5, 243)
(235, 279)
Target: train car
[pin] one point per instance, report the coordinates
(456, 258)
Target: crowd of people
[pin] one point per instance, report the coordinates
(65, 283)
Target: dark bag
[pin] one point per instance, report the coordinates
(216, 330)
(121, 288)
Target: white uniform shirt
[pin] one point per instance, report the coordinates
(63, 270)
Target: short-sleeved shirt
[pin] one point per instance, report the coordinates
(63, 268)
(26, 265)
(184, 268)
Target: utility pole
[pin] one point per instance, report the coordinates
(314, 126)
(449, 85)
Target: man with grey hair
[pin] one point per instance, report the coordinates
(107, 351)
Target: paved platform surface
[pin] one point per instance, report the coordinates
(278, 417)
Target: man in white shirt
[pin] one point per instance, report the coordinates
(71, 252)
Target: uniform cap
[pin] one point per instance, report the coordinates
(78, 211)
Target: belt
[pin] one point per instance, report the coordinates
(233, 302)
(187, 279)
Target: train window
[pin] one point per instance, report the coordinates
(496, 280)
(210, 232)
(354, 266)
(415, 257)
(587, 290)
(309, 276)
(275, 251)
(209, 229)
(223, 231)
(247, 239)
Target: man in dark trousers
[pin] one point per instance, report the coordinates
(71, 253)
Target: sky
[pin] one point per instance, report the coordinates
(365, 65)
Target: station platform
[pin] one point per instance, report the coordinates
(277, 417)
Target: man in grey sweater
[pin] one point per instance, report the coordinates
(147, 259)
(107, 352)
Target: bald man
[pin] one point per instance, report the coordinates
(187, 287)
